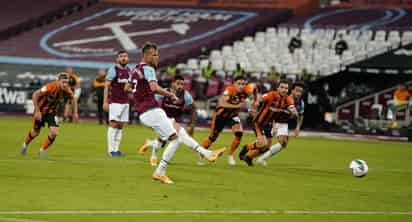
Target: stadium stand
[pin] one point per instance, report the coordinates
(18, 17)
(79, 37)
(319, 33)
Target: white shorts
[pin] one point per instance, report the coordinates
(281, 129)
(119, 112)
(157, 120)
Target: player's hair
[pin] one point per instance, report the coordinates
(121, 52)
(178, 77)
(239, 77)
(62, 75)
(147, 46)
(283, 81)
(298, 84)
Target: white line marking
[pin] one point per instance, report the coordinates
(206, 212)
(8, 219)
(134, 161)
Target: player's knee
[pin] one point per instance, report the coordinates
(283, 142)
(239, 134)
(35, 132)
(54, 133)
(173, 137)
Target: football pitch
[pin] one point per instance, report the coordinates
(308, 181)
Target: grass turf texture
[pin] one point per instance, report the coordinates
(311, 174)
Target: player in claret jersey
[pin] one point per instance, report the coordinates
(143, 84)
(227, 113)
(46, 100)
(174, 110)
(274, 112)
(116, 102)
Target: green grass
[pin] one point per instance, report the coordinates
(311, 174)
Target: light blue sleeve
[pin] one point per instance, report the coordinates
(158, 97)
(302, 108)
(188, 98)
(111, 74)
(149, 73)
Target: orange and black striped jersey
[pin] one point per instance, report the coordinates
(52, 96)
(272, 108)
(235, 98)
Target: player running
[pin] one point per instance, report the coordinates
(174, 110)
(227, 113)
(143, 84)
(274, 111)
(116, 102)
(282, 122)
(46, 100)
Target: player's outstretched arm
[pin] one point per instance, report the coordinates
(158, 89)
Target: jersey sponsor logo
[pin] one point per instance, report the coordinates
(103, 33)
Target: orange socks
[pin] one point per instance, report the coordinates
(28, 138)
(47, 143)
(206, 143)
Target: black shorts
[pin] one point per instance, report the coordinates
(267, 131)
(50, 119)
(292, 123)
(219, 123)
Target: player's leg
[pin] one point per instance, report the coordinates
(157, 120)
(155, 144)
(238, 131)
(51, 136)
(252, 150)
(123, 120)
(262, 161)
(190, 142)
(260, 145)
(282, 133)
(33, 133)
(118, 116)
(216, 126)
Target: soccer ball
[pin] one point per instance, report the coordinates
(358, 168)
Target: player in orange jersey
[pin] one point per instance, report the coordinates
(227, 113)
(46, 101)
(274, 111)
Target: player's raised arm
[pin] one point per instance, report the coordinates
(150, 76)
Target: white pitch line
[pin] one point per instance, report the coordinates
(8, 219)
(134, 161)
(204, 212)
